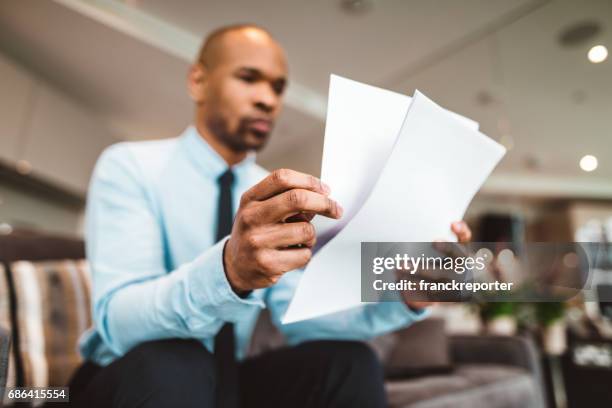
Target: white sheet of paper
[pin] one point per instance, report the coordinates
(360, 130)
(362, 126)
(427, 180)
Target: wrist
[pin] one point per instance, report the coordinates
(232, 277)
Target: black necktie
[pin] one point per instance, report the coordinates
(227, 368)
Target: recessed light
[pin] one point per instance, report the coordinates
(597, 54)
(23, 167)
(588, 163)
(356, 6)
(5, 228)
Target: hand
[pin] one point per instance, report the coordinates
(464, 235)
(263, 245)
(462, 231)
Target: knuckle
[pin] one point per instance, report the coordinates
(249, 216)
(262, 260)
(245, 199)
(307, 230)
(313, 182)
(252, 241)
(295, 198)
(281, 177)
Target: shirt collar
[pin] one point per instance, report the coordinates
(207, 160)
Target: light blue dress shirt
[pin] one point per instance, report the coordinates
(157, 272)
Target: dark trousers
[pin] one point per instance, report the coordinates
(181, 373)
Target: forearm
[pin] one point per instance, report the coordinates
(361, 323)
(190, 302)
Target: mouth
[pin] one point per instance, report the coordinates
(260, 127)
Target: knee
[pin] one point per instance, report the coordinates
(353, 374)
(175, 357)
(172, 369)
(354, 357)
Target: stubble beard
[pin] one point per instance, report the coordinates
(237, 141)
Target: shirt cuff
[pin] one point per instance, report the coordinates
(211, 291)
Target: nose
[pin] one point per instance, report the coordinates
(266, 99)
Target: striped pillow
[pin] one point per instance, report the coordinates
(52, 310)
(5, 324)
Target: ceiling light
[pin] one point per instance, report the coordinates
(23, 167)
(588, 163)
(597, 54)
(356, 6)
(5, 229)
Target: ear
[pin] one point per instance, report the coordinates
(197, 80)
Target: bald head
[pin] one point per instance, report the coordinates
(211, 52)
(237, 84)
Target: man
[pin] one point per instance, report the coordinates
(177, 289)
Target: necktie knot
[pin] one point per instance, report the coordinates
(226, 179)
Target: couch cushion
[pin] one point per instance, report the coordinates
(31, 246)
(419, 349)
(473, 386)
(5, 306)
(4, 355)
(52, 310)
(7, 374)
(5, 323)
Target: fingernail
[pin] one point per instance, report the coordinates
(339, 209)
(325, 188)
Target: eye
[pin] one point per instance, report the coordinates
(279, 87)
(247, 77)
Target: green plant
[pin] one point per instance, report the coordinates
(492, 310)
(549, 312)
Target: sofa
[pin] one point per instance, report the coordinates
(44, 306)
(5, 341)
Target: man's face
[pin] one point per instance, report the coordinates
(243, 90)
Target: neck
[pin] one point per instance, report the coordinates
(230, 156)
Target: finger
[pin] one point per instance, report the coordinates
(419, 304)
(273, 263)
(290, 259)
(462, 231)
(300, 217)
(281, 236)
(283, 206)
(282, 180)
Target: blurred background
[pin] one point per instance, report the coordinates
(79, 75)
